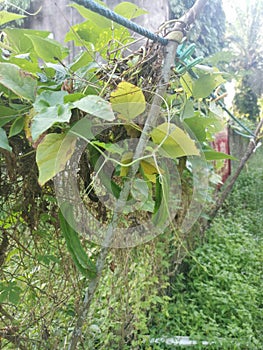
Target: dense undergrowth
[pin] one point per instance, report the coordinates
(218, 295)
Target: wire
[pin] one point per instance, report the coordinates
(105, 12)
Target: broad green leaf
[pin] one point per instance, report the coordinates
(84, 34)
(128, 100)
(204, 126)
(4, 141)
(100, 21)
(175, 142)
(129, 10)
(19, 41)
(161, 212)
(7, 111)
(80, 258)
(5, 120)
(50, 109)
(83, 129)
(109, 147)
(47, 49)
(27, 65)
(188, 110)
(95, 38)
(73, 97)
(187, 84)
(17, 126)
(95, 105)
(49, 99)
(23, 84)
(6, 17)
(206, 84)
(83, 60)
(140, 190)
(7, 114)
(50, 158)
(214, 155)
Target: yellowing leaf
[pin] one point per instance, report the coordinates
(126, 159)
(50, 159)
(128, 100)
(149, 169)
(175, 142)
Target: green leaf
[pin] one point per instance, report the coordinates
(100, 21)
(140, 190)
(10, 292)
(95, 105)
(23, 84)
(214, 155)
(47, 49)
(128, 100)
(83, 60)
(83, 129)
(4, 141)
(204, 126)
(161, 211)
(188, 110)
(206, 84)
(7, 114)
(50, 109)
(50, 158)
(17, 126)
(175, 142)
(18, 39)
(129, 10)
(187, 84)
(75, 248)
(109, 147)
(6, 17)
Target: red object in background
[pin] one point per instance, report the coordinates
(221, 144)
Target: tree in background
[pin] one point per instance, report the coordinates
(209, 31)
(246, 40)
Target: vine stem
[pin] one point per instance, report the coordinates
(169, 56)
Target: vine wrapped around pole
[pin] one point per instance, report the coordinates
(175, 37)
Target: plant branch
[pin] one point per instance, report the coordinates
(154, 112)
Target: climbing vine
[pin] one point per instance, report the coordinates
(79, 134)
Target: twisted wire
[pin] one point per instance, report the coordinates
(105, 12)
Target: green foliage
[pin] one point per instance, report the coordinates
(217, 296)
(209, 31)
(78, 254)
(246, 101)
(44, 106)
(245, 41)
